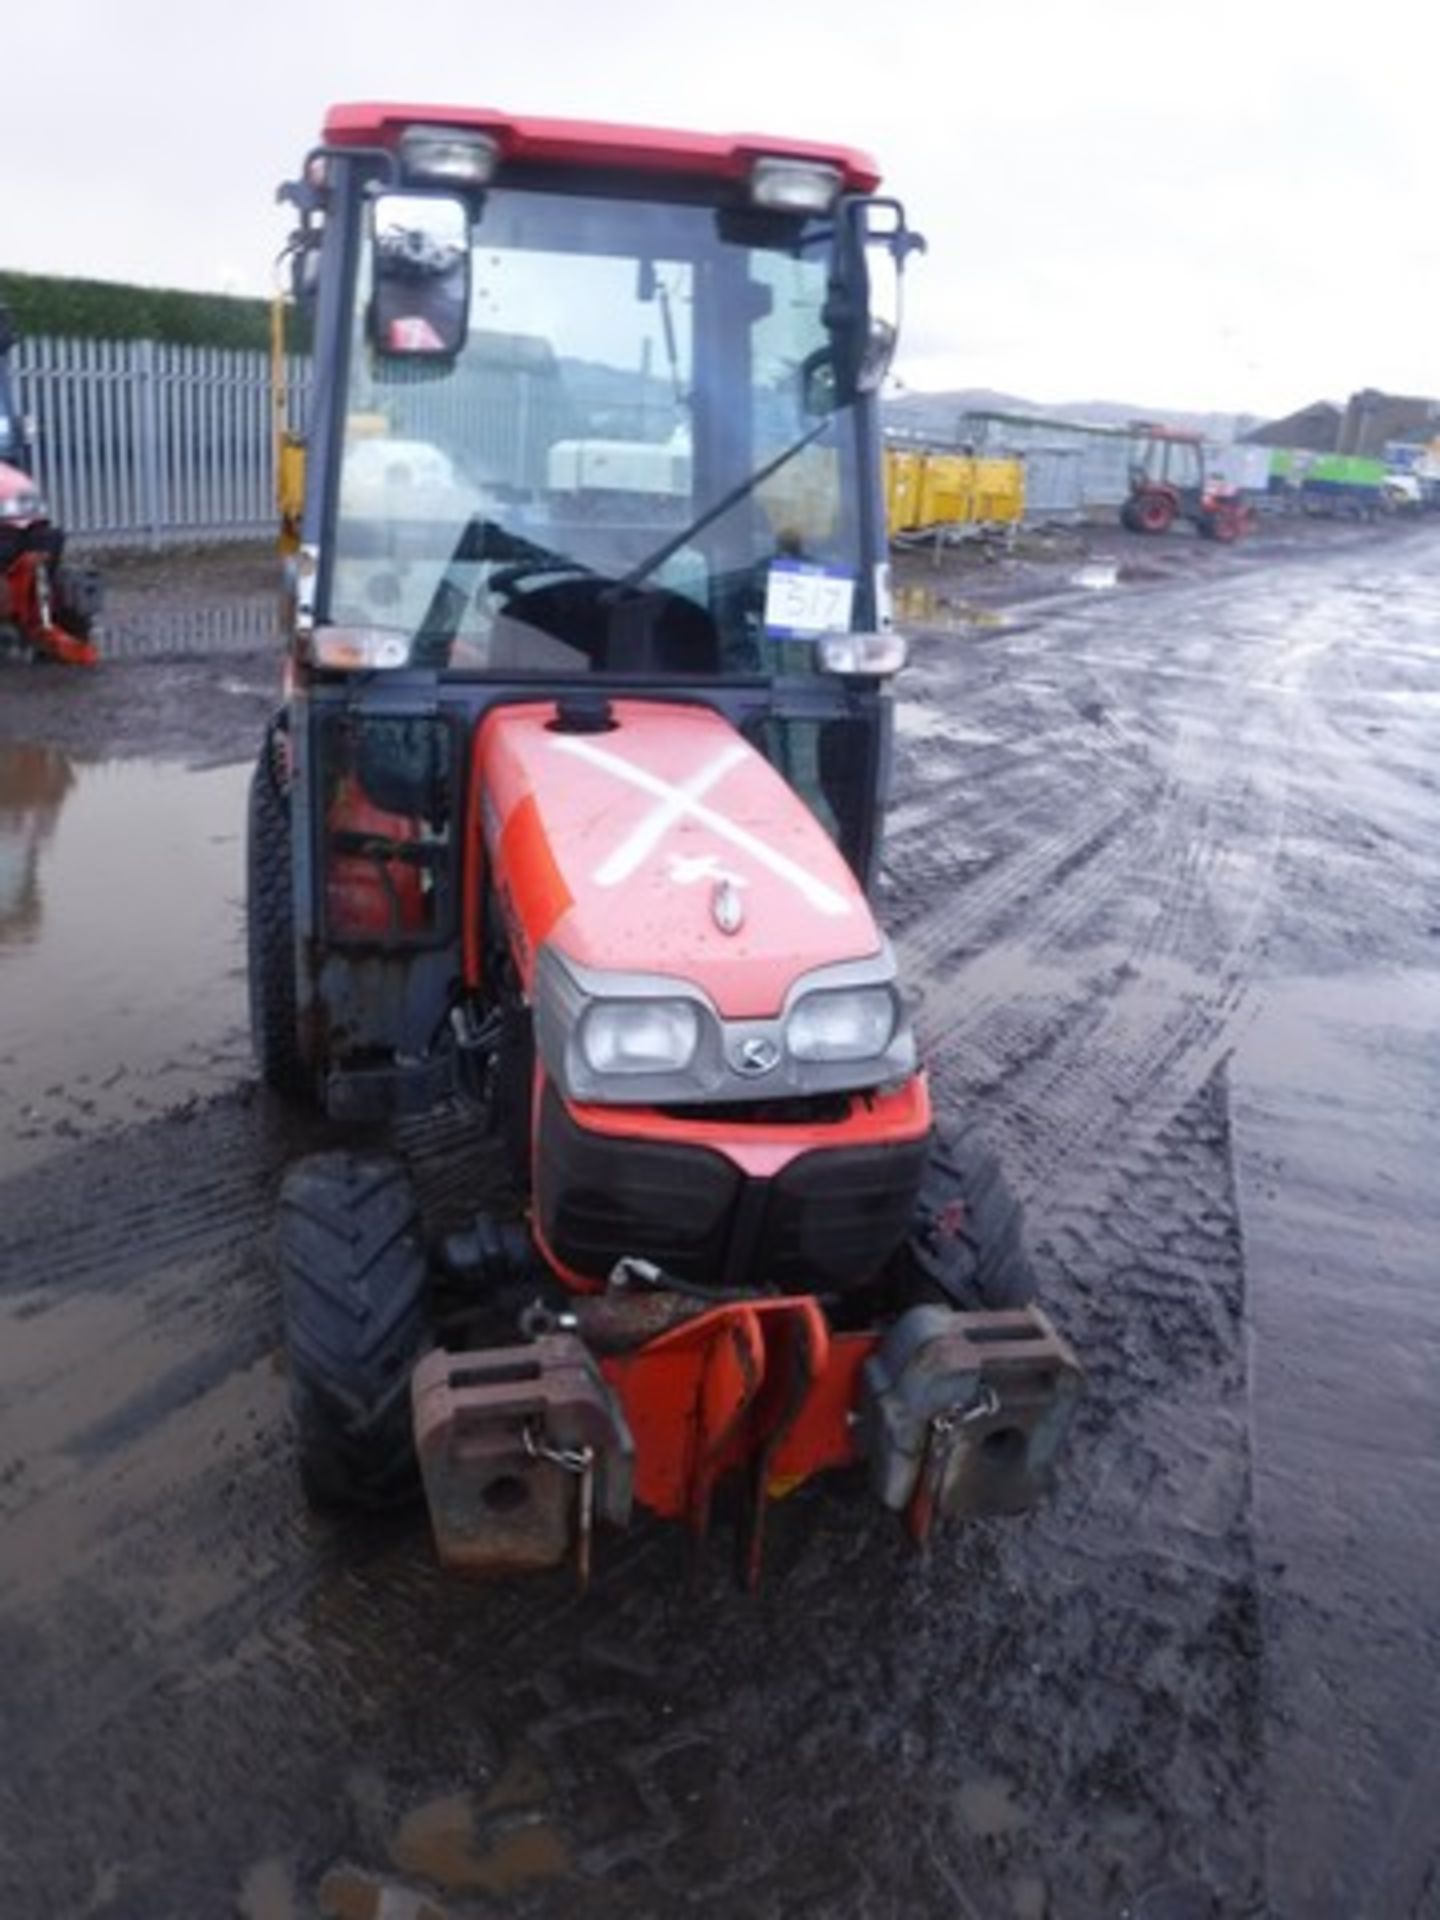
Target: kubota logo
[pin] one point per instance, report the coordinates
(757, 1055)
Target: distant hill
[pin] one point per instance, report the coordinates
(934, 415)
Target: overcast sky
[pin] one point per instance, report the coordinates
(1216, 205)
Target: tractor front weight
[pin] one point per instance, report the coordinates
(525, 1449)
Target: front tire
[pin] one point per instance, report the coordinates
(78, 598)
(967, 1243)
(353, 1285)
(270, 928)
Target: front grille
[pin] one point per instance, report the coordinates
(800, 1110)
(835, 1216)
(599, 1198)
(829, 1221)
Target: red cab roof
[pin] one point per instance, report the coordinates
(586, 143)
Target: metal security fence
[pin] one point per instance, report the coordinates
(1054, 483)
(497, 418)
(1105, 455)
(139, 444)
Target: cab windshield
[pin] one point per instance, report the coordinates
(632, 465)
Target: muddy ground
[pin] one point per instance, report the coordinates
(1164, 865)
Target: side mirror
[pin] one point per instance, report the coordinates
(862, 309)
(420, 303)
(305, 268)
(819, 383)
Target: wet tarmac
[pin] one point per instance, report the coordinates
(121, 942)
(1163, 870)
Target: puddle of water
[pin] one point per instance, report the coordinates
(121, 942)
(348, 1894)
(496, 1846)
(1335, 1116)
(1098, 575)
(929, 606)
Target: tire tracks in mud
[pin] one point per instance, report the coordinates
(1094, 971)
(185, 1606)
(197, 1670)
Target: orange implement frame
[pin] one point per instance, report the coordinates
(658, 1397)
(762, 1385)
(28, 583)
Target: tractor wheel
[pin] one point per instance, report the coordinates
(352, 1274)
(1224, 525)
(1129, 518)
(78, 599)
(270, 929)
(967, 1242)
(1155, 512)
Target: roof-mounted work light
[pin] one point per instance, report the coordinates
(795, 186)
(442, 157)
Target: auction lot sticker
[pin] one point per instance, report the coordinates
(802, 600)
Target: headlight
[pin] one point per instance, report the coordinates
(632, 1039)
(848, 1024)
(866, 656)
(23, 506)
(640, 1036)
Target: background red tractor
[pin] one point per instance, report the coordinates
(47, 608)
(1168, 482)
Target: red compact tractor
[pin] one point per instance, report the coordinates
(1168, 483)
(570, 816)
(48, 609)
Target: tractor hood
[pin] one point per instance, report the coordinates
(664, 846)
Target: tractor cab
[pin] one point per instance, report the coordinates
(1169, 459)
(595, 413)
(570, 816)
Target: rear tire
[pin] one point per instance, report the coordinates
(79, 596)
(353, 1283)
(967, 1244)
(1154, 512)
(270, 929)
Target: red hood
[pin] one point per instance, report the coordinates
(612, 847)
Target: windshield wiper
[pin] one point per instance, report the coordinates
(644, 568)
